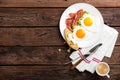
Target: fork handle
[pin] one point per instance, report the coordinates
(74, 65)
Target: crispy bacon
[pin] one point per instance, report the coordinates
(80, 12)
(69, 23)
(74, 17)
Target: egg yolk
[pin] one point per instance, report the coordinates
(88, 21)
(80, 33)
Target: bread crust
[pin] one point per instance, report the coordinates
(69, 42)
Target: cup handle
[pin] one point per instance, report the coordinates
(108, 75)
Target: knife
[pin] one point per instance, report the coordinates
(88, 54)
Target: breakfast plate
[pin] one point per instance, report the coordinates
(94, 32)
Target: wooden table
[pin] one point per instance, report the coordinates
(31, 46)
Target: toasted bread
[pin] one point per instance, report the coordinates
(69, 42)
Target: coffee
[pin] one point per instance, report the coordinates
(102, 68)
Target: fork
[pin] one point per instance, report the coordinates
(85, 55)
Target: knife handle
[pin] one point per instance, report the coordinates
(74, 65)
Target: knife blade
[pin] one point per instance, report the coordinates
(89, 53)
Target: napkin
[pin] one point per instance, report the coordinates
(108, 40)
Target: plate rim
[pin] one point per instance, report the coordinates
(81, 4)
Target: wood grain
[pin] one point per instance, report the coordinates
(31, 46)
(104, 3)
(34, 36)
(114, 57)
(30, 37)
(30, 17)
(52, 73)
(43, 56)
(57, 3)
(33, 55)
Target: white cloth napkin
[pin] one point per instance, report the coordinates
(108, 40)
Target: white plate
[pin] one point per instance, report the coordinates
(92, 10)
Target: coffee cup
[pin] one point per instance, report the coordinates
(102, 69)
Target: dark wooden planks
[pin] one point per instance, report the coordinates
(20, 63)
(111, 16)
(29, 16)
(57, 3)
(34, 36)
(30, 36)
(52, 73)
(43, 56)
(104, 3)
(33, 55)
(115, 56)
(47, 16)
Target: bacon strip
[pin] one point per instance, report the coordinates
(74, 18)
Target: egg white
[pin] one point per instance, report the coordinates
(73, 37)
(93, 27)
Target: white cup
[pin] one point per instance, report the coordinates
(102, 69)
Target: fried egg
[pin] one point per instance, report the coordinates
(80, 34)
(89, 22)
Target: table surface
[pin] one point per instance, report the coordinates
(30, 40)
